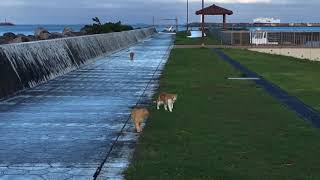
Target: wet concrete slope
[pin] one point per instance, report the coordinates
(26, 65)
(64, 128)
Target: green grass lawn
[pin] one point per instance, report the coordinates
(222, 129)
(299, 77)
(182, 39)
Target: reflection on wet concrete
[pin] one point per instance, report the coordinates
(63, 129)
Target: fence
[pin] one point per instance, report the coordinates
(263, 38)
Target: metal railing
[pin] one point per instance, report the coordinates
(263, 38)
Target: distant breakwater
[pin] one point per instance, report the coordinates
(25, 65)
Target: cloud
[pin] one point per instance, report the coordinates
(11, 3)
(237, 1)
(142, 11)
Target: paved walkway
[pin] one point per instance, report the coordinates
(292, 102)
(66, 128)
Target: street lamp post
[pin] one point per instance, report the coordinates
(153, 21)
(177, 25)
(187, 15)
(202, 23)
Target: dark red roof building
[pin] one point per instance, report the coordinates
(216, 10)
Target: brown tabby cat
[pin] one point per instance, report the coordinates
(167, 100)
(138, 115)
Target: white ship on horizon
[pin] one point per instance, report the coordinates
(267, 20)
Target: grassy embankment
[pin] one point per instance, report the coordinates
(222, 129)
(298, 77)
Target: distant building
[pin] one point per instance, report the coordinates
(267, 21)
(5, 23)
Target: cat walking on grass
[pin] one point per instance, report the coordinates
(167, 100)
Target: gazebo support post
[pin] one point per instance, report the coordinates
(224, 26)
(202, 26)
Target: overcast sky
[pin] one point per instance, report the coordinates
(141, 11)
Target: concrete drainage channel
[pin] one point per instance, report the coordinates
(67, 128)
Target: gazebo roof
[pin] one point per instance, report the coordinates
(214, 10)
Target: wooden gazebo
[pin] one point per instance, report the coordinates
(215, 10)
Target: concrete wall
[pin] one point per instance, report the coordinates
(25, 65)
(301, 53)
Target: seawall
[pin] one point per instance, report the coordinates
(25, 65)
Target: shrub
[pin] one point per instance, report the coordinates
(97, 27)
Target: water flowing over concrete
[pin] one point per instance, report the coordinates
(64, 129)
(26, 65)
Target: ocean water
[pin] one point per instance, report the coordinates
(29, 29)
(269, 29)
(286, 29)
(160, 28)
